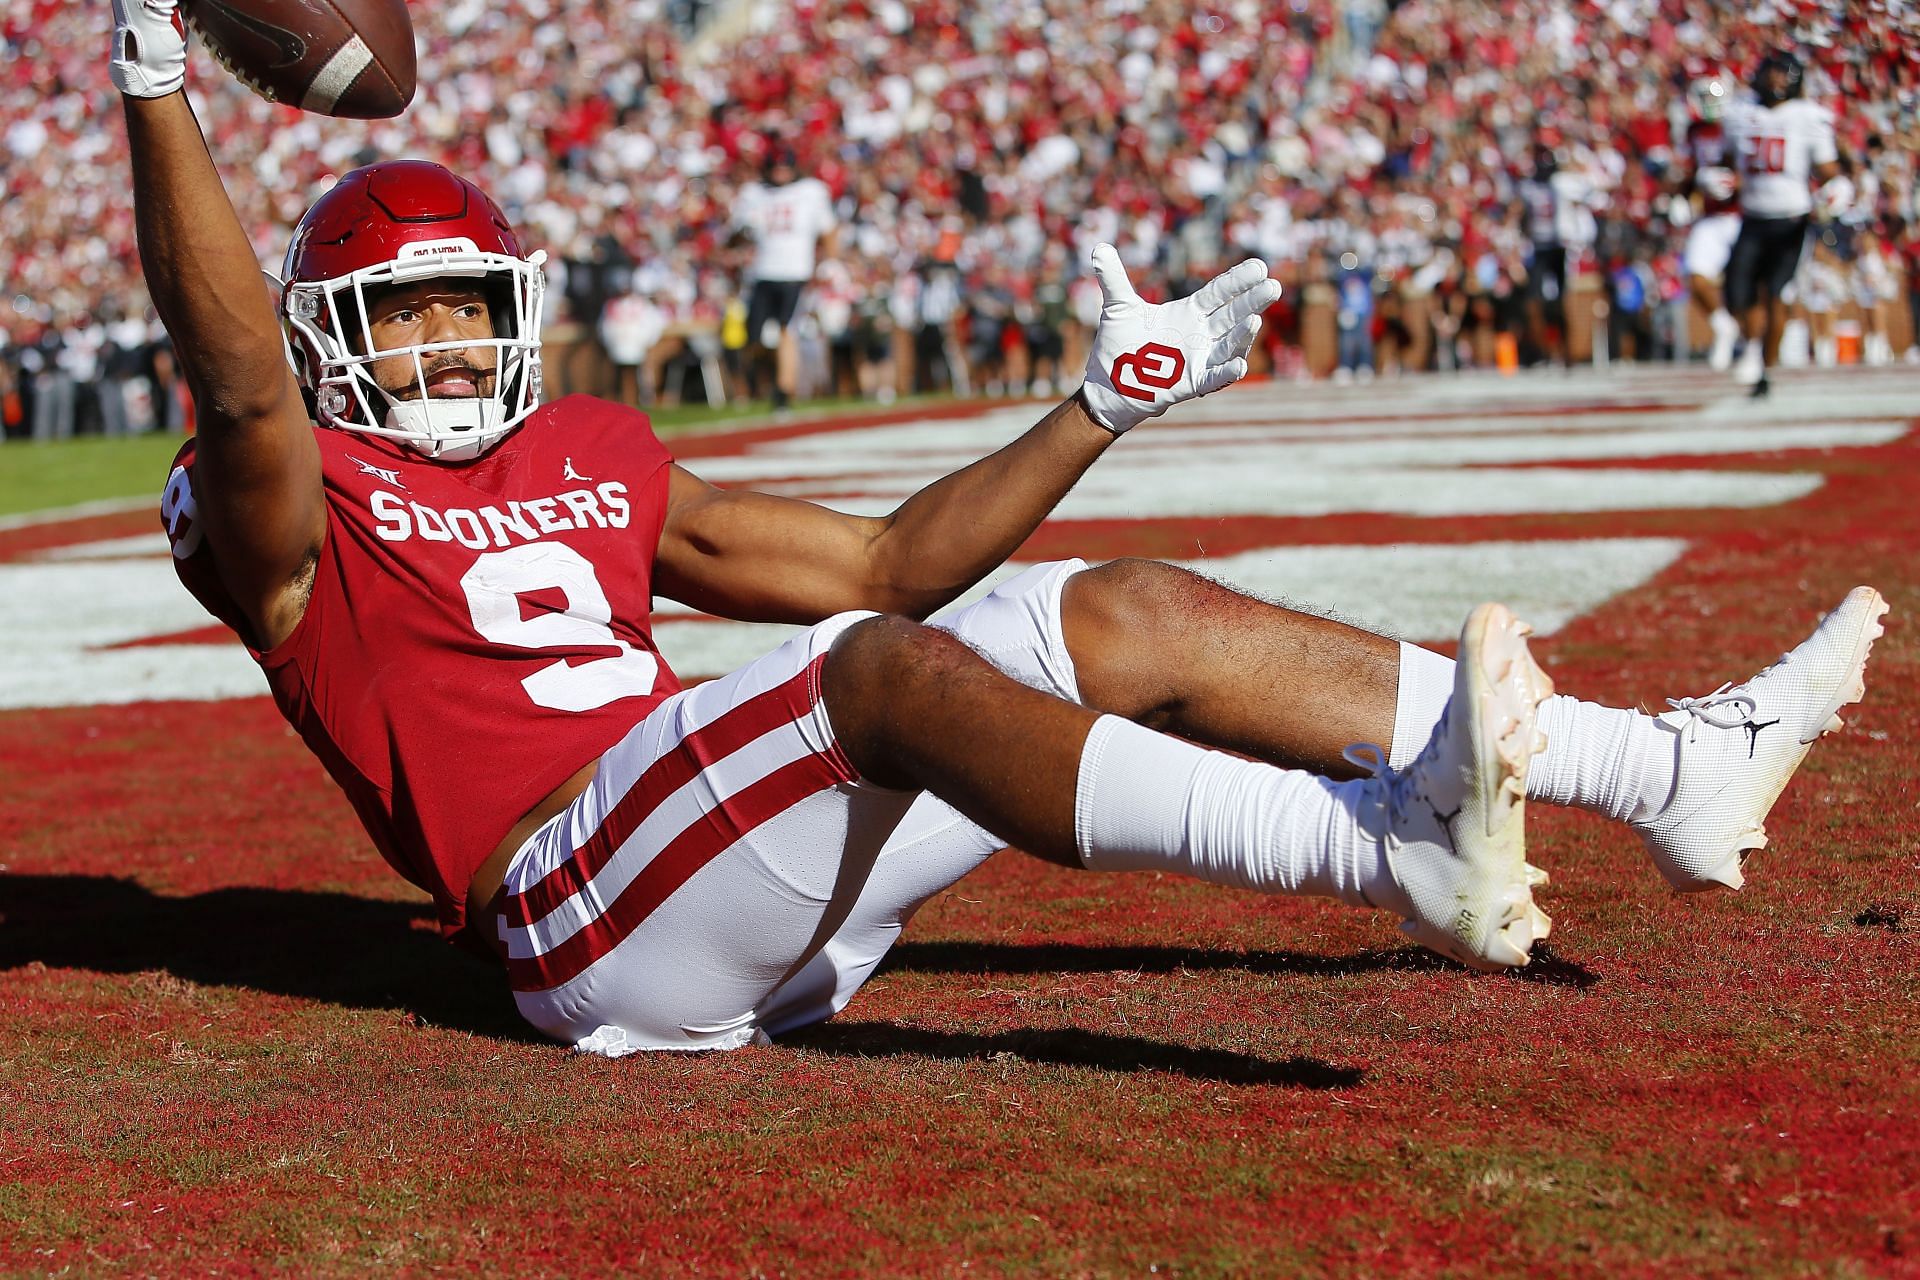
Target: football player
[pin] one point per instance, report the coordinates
(1781, 143)
(791, 221)
(1551, 212)
(1716, 225)
(447, 582)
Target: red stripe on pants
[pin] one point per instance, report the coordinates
(705, 746)
(711, 835)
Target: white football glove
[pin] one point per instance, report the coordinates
(1835, 197)
(149, 48)
(1148, 358)
(1716, 182)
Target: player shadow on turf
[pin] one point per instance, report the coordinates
(1071, 1047)
(356, 952)
(362, 953)
(1546, 968)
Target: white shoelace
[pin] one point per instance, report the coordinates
(1397, 783)
(1740, 708)
(1368, 756)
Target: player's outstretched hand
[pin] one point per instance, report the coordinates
(1834, 197)
(1717, 182)
(1148, 358)
(149, 48)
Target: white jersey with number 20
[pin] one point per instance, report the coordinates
(787, 222)
(1775, 150)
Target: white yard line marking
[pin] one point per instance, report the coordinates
(1225, 489)
(82, 511)
(1420, 446)
(1414, 592)
(60, 615)
(141, 546)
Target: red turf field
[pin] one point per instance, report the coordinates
(234, 1045)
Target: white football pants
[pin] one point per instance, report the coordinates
(727, 876)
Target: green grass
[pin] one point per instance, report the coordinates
(48, 476)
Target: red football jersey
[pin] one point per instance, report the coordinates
(1707, 148)
(477, 633)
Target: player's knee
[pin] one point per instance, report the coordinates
(879, 663)
(1131, 597)
(1121, 620)
(867, 647)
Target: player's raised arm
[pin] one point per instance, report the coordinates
(759, 557)
(1837, 193)
(257, 473)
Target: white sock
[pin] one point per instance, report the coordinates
(1612, 762)
(1426, 685)
(1147, 801)
(1616, 763)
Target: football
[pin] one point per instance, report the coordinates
(351, 58)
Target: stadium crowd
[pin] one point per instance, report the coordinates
(1377, 154)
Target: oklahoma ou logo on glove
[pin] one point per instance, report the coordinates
(1148, 358)
(1152, 369)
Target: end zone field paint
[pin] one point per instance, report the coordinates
(234, 1044)
(88, 623)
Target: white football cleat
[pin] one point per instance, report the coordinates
(1737, 747)
(1750, 368)
(1453, 823)
(1726, 333)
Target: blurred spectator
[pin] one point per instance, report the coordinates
(935, 342)
(1044, 316)
(1877, 292)
(1630, 306)
(13, 401)
(976, 148)
(631, 326)
(1353, 288)
(48, 368)
(991, 331)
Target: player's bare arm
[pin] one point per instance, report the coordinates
(1836, 186)
(760, 557)
(257, 484)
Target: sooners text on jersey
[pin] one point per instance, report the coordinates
(476, 634)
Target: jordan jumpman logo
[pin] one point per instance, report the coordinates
(571, 474)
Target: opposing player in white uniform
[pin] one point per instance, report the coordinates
(1782, 144)
(1716, 224)
(789, 218)
(410, 543)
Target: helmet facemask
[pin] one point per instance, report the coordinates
(1788, 69)
(332, 319)
(1708, 97)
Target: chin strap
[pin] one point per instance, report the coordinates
(457, 428)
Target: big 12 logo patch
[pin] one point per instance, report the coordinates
(1142, 374)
